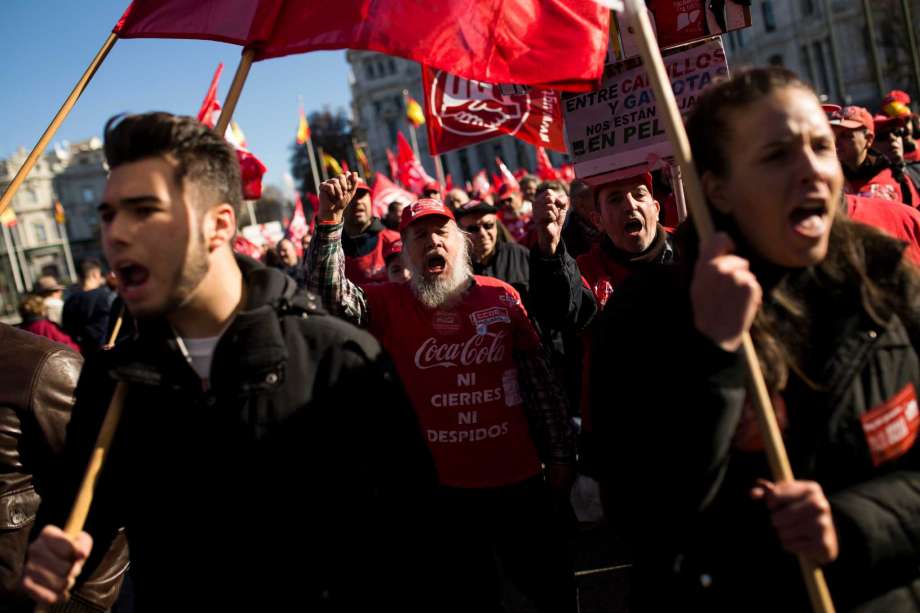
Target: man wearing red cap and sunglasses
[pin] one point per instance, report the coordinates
(867, 172)
(896, 108)
(365, 239)
(488, 406)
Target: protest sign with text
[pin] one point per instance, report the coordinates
(617, 126)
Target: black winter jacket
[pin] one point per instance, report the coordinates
(677, 483)
(296, 482)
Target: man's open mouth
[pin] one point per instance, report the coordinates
(633, 226)
(132, 275)
(435, 264)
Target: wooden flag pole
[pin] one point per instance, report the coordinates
(439, 171)
(236, 88)
(52, 128)
(312, 156)
(77, 518)
(674, 125)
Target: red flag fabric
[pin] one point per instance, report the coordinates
(298, 228)
(507, 177)
(545, 169)
(210, 106)
(385, 192)
(496, 41)
(411, 173)
(448, 183)
(251, 171)
(393, 164)
(461, 112)
(567, 173)
(243, 245)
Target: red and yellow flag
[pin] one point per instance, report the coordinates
(303, 129)
(363, 161)
(414, 112)
(8, 217)
(59, 215)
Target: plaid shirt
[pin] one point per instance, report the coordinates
(545, 403)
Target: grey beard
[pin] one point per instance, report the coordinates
(439, 291)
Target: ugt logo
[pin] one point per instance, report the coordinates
(474, 108)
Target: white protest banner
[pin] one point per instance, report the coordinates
(616, 127)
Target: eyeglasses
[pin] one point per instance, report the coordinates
(505, 202)
(475, 228)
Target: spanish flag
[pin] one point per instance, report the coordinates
(59, 215)
(414, 112)
(303, 129)
(332, 164)
(363, 161)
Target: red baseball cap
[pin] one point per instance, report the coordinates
(362, 185)
(853, 117)
(883, 123)
(896, 104)
(831, 109)
(423, 208)
(391, 249)
(432, 186)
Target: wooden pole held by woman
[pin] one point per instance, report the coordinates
(667, 106)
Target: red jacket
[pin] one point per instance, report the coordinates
(896, 219)
(49, 329)
(370, 267)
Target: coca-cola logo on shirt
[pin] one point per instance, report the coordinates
(488, 348)
(474, 108)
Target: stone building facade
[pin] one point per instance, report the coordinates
(828, 43)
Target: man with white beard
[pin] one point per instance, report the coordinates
(486, 401)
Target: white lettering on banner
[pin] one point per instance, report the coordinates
(467, 417)
(616, 126)
(467, 436)
(474, 351)
(466, 379)
(465, 399)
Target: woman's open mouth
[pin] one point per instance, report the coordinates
(809, 221)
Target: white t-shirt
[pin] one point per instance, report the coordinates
(201, 353)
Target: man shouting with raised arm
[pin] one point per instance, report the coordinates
(267, 458)
(480, 385)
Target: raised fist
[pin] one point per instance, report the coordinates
(549, 210)
(335, 195)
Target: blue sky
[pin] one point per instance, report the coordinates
(50, 43)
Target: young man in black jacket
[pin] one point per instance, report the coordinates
(267, 457)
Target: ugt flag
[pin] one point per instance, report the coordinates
(550, 43)
(462, 112)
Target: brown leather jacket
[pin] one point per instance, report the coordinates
(37, 381)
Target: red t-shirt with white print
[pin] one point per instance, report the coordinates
(458, 368)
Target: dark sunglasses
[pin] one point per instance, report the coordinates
(474, 228)
(505, 202)
(902, 132)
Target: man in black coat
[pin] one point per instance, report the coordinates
(267, 458)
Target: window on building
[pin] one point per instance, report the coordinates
(464, 159)
(40, 232)
(808, 8)
(806, 63)
(731, 41)
(392, 66)
(89, 195)
(769, 19)
(823, 81)
(369, 70)
(776, 60)
(740, 38)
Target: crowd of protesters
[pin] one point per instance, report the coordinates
(392, 413)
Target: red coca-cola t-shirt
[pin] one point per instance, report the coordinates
(458, 368)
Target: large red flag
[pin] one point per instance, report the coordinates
(393, 165)
(545, 169)
(243, 245)
(462, 113)
(553, 43)
(385, 192)
(411, 173)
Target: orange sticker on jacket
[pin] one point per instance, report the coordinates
(891, 428)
